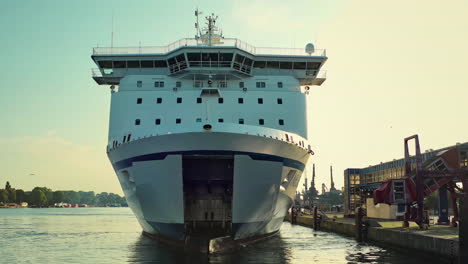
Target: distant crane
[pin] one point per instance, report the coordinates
(324, 189)
(332, 184)
(312, 189)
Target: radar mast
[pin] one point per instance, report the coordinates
(210, 35)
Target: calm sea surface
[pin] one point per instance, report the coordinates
(112, 235)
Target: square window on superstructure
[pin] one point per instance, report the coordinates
(199, 120)
(222, 84)
(241, 84)
(178, 120)
(139, 100)
(281, 122)
(280, 101)
(260, 84)
(178, 84)
(241, 121)
(139, 84)
(220, 120)
(157, 121)
(179, 100)
(158, 84)
(220, 100)
(137, 122)
(199, 100)
(240, 100)
(260, 100)
(159, 100)
(280, 84)
(198, 84)
(261, 122)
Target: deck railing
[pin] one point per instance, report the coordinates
(191, 42)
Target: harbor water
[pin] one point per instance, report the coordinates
(113, 235)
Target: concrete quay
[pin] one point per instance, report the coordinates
(439, 240)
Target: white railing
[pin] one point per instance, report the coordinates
(272, 133)
(191, 42)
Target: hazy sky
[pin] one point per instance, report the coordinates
(395, 68)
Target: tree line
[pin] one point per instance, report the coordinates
(45, 197)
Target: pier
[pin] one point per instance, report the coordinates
(386, 203)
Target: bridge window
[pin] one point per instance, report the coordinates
(133, 64)
(160, 64)
(281, 122)
(179, 100)
(139, 100)
(260, 84)
(280, 101)
(260, 64)
(313, 65)
(287, 65)
(220, 120)
(272, 65)
(241, 121)
(280, 84)
(147, 64)
(157, 121)
(261, 122)
(120, 64)
(240, 100)
(199, 100)
(139, 84)
(137, 122)
(299, 65)
(198, 84)
(241, 84)
(105, 64)
(260, 100)
(158, 84)
(220, 100)
(178, 84)
(158, 100)
(178, 121)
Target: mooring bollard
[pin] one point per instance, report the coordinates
(358, 223)
(315, 219)
(463, 228)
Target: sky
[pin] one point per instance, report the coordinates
(395, 68)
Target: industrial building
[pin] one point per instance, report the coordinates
(359, 184)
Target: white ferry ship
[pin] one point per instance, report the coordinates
(208, 135)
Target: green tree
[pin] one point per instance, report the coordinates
(59, 197)
(20, 196)
(38, 197)
(3, 196)
(12, 195)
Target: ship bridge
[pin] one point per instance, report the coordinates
(192, 58)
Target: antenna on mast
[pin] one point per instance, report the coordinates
(197, 24)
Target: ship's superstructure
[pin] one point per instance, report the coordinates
(209, 135)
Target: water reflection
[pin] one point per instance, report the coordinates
(295, 244)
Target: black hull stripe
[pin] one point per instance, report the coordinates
(162, 155)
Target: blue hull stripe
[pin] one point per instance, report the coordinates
(162, 155)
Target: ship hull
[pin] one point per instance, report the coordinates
(235, 185)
